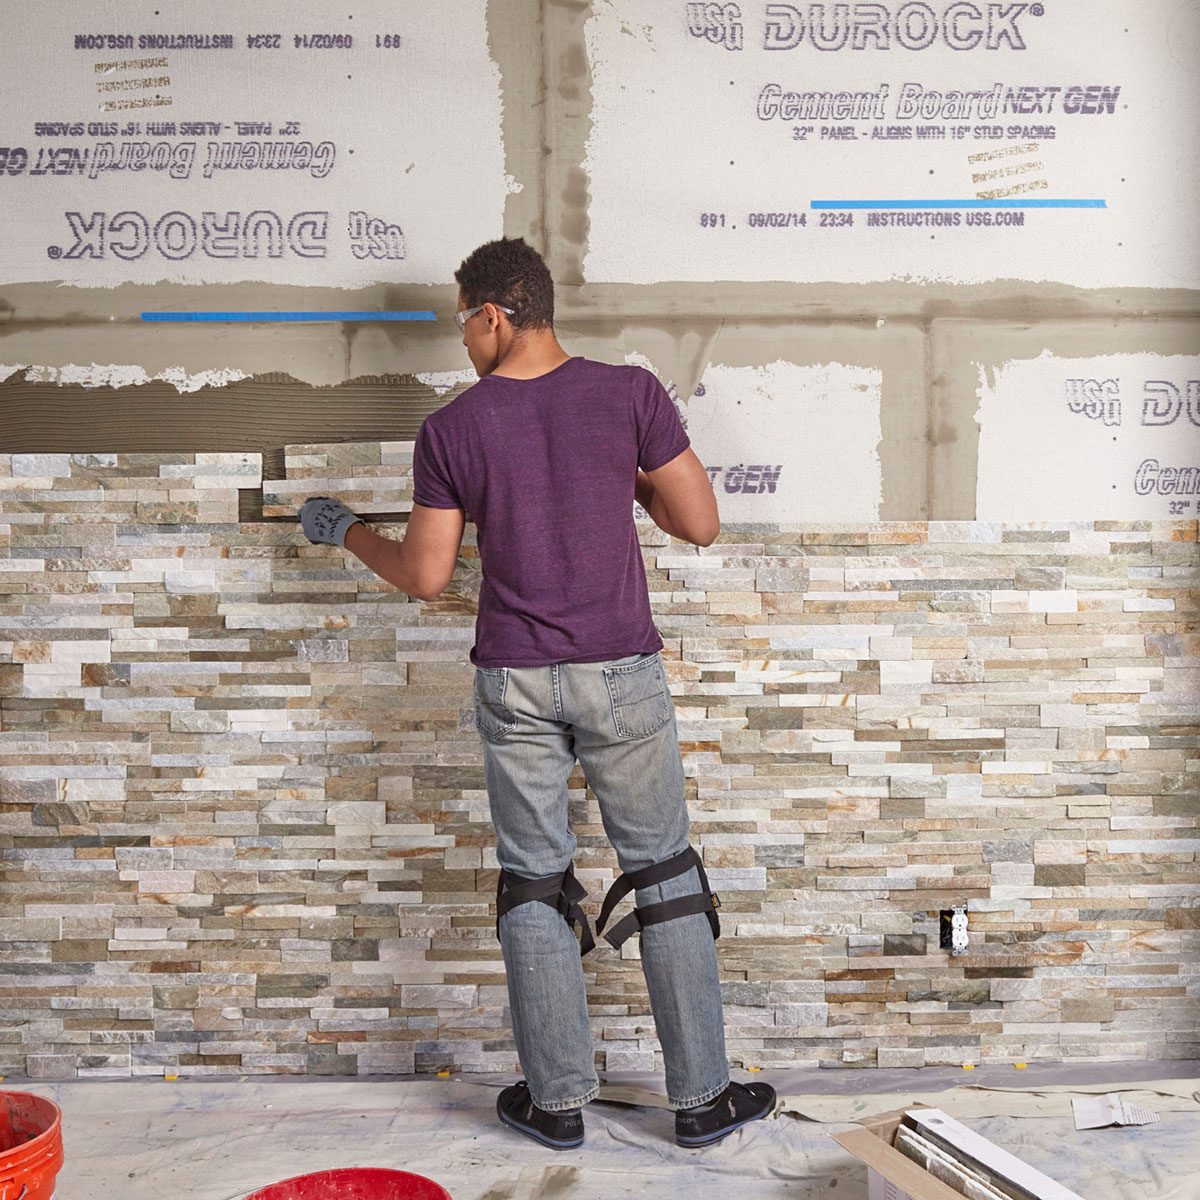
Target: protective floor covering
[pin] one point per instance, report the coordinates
(221, 1139)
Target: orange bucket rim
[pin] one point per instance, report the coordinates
(43, 1144)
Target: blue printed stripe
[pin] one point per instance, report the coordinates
(416, 315)
(957, 204)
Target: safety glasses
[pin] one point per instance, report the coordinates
(461, 318)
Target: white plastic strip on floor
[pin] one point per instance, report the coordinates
(976, 1100)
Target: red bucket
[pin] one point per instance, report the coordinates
(31, 1149)
(351, 1183)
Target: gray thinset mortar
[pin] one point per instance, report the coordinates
(261, 414)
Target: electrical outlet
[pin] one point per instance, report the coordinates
(958, 931)
(953, 933)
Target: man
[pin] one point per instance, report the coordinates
(547, 452)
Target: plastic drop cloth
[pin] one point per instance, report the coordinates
(149, 1139)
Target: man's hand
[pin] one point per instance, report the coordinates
(325, 520)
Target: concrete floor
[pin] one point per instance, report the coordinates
(219, 1139)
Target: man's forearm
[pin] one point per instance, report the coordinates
(385, 556)
(652, 502)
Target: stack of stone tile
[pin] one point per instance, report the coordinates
(243, 823)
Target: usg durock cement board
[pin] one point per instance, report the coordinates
(958, 142)
(146, 141)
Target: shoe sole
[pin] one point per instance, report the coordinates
(716, 1136)
(536, 1134)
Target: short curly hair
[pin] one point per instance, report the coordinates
(509, 272)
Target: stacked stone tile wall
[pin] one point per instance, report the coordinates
(243, 823)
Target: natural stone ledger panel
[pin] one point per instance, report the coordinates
(368, 477)
(244, 826)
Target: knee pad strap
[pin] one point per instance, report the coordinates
(561, 892)
(704, 901)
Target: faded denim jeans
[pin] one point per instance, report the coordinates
(618, 719)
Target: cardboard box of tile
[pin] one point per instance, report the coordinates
(920, 1153)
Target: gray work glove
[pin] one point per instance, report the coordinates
(325, 520)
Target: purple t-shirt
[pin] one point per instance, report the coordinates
(546, 469)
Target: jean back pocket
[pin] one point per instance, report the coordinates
(493, 719)
(641, 701)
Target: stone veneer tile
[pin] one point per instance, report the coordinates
(244, 825)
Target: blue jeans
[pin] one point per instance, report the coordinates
(618, 718)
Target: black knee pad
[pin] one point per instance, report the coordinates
(703, 901)
(562, 892)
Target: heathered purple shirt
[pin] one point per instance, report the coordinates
(546, 469)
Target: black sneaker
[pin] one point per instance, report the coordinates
(737, 1105)
(558, 1130)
